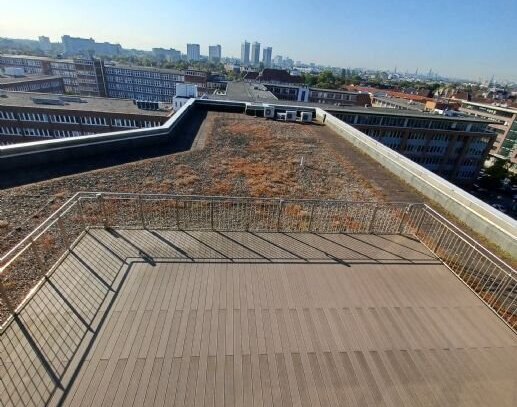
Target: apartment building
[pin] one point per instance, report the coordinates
(32, 83)
(144, 83)
(266, 56)
(503, 121)
(452, 147)
(214, 53)
(255, 53)
(193, 52)
(31, 116)
(245, 53)
(86, 46)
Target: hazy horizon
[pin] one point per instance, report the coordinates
(465, 39)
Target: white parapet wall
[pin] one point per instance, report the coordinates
(494, 225)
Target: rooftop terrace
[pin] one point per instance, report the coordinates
(173, 300)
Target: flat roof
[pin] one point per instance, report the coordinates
(41, 58)
(244, 91)
(146, 68)
(238, 318)
(399, 112)
(375, 110)
(248, 92)
(7, 79)
(402, 102)
(89, 104)
(504, 109)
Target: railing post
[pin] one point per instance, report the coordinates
(312, 215)
(141, 211)
(278, 219)
(63, 233)
(212, 214)
(102, 209)
(372, 220)
(5, 298)
(406, 211)
(177, 211)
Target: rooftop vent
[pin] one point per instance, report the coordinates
(48, 101)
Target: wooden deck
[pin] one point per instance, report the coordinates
(162, 318)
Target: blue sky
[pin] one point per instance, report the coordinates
(465, 38)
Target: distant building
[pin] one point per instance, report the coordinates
(214, 53)
(302, 93)
(245, 53)
(79, 75)
(44, 43)
(277, 60)
(266, 56)
(255, 53)
(503, 122)
(30, 116)
(397, 103)
(170, 55)
(452, 147)
(143, 83)
(193, 52)
(87, 46)
(278, 76)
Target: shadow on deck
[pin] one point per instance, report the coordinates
(45, 346)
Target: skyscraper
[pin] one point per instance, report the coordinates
(266, 56)
(44, 43)
(245, 53)
(193, 52)
(255, 53)
(214, 53)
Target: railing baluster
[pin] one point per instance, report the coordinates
(372, 219)
(141, 211)
(404, 214)
(177, 212)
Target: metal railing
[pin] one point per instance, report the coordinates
(488, 276)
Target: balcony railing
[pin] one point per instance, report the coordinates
(492, 280)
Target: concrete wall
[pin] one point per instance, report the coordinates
(48, 152)
(479, 216)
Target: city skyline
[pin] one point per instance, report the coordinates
(447, 38)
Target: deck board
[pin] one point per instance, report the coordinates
(235, 318)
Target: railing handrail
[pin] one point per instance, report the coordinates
(41, 228)
(239, 198)
(50, 220)
(472, 242)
